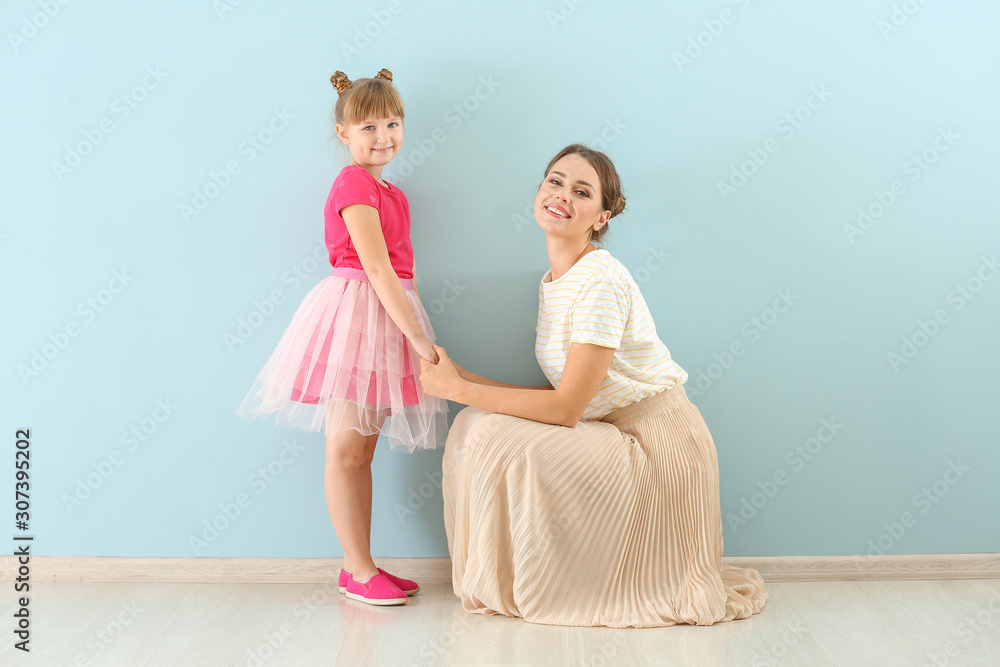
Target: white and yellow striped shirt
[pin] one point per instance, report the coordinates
(598, 302)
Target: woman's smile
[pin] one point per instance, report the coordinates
(557, 211)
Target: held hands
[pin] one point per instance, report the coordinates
(425, 349)
(443, 379)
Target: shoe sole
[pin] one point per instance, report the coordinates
(343, 591)
(381, 603)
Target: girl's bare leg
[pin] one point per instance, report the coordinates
(348, 485)
(365, 486)
(348, 496)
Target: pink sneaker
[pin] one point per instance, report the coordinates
(405, 585)
(378, 590)
(345, 577)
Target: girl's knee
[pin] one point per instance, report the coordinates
(369, 450)
(345, 451)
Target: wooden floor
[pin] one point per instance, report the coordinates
(831, 623)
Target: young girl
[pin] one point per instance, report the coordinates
(351, 355)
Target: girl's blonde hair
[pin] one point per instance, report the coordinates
(365, 98)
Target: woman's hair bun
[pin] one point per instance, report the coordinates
(340, 81)
(384, 74)
(618, 206)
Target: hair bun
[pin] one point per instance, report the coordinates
(340, 81)
(618, 206)
(384, 74)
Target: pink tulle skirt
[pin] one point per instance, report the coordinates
(343, 363)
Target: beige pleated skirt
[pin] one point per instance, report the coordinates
(611, 523)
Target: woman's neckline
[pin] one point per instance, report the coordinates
(547, 278)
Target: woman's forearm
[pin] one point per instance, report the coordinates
(479, 379)
(541, 404)
(585, 369)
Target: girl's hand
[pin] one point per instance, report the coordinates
(441, 380)
(425, 349)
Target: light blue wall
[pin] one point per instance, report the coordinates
(680, 94)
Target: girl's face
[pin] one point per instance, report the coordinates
(568, 203)
(373, 142)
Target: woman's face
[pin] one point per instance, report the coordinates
(568, 203)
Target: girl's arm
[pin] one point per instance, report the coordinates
(414, 271)
(586, 367)
(366, 234)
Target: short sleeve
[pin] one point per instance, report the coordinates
(599, 313)
(356, 187)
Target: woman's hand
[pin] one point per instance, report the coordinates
(441, 380)
(425, 348)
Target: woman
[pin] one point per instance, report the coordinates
(595, 500)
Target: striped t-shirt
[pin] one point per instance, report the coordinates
(598, 302)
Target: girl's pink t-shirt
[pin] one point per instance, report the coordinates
(354, 185)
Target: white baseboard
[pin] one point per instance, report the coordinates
(438, 570)
(872, 568)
